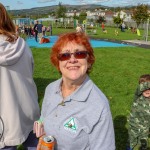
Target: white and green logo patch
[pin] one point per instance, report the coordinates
(71, 125)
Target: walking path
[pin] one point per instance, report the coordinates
(139, 43)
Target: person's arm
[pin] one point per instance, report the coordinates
(34, 27)
(102, 135)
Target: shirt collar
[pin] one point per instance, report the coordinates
(79, 94)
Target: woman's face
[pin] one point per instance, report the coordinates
(73, 69)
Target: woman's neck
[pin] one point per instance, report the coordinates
(68, 87)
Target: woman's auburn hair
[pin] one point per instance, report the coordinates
(7, 26)
(79, 38)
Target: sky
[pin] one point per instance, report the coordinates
(27, 4)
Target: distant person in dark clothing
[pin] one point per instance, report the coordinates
(39, 28)
(30, 31)
(26, 30)
(36, 31)
(123, 26)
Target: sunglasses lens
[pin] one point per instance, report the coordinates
(81, 54)
(64, 56)
(77, 55)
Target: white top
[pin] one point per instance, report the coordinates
(18, 94)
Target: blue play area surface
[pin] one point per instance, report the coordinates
(95, 43)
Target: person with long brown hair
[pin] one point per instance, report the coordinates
(7, 27)
(18, 93)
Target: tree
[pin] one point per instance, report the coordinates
(117, 20)
(118, 9)
(82, 16)
(101, 19)
(11, 15)
(140, 14)
(61, 11)
(75, 16)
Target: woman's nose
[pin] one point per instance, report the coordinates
(72, 58)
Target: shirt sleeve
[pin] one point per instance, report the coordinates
(102, 135)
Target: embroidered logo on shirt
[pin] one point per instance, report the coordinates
(71, 125)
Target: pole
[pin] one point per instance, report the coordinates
(147, 30)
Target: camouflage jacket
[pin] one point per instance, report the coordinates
(139, 119)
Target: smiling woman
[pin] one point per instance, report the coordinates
(74, 110)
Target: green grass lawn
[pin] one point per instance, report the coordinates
(127, 35)
(116, 72)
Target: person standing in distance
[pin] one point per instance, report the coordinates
(35, 29)
(18, 93)
(39, 28)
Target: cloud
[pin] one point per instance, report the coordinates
(119, 3)
(81, 2)
(90, 1)
(136, 2)
(19, 2)
(101, 1)
(45, 1)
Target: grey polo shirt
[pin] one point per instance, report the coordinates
(82, 122)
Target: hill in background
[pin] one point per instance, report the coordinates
(51, 9)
